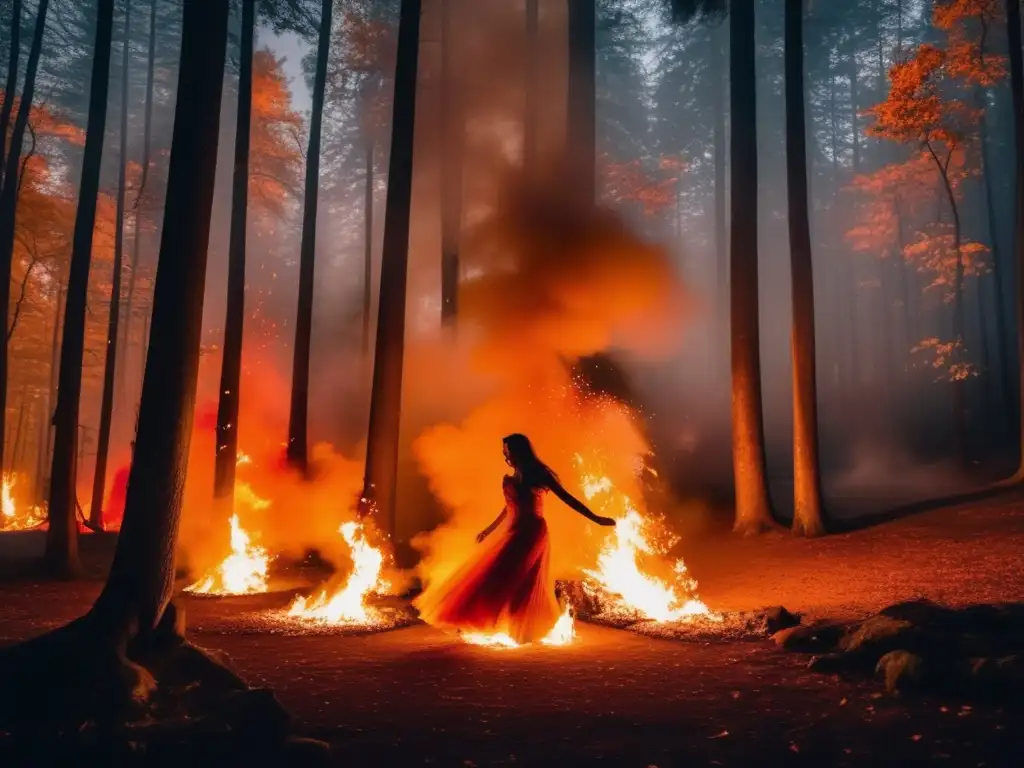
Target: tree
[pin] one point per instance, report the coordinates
(298, 441)
(807, 514)
(231, 360)
(11, 85)
(386, 398)
(451, 171)
(62, 530)
(110, 363)
(1017, 88)
(581, 136)
(9, 197)
(130, 625)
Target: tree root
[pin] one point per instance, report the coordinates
(74, 693)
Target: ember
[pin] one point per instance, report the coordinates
(348, 604)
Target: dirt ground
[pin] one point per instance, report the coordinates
(416, 697)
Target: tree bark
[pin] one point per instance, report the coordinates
(753, 507)
(298, 421)
(451, 173)
(62, 533)
(141, 578)
(581, 136)
(807, 510)
(532, 11)
(368, 243)
(9, 198)
(231, 359)
(99, 483)
(147, 139)
(11, 86)
(379, 484)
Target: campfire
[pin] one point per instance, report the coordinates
(16, 516)
(619, 583)
(347, 605)
(243, 572)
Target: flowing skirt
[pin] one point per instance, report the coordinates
(503, 588)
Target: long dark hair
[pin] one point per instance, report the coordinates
(525, 459)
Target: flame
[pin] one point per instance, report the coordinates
(348, 605)
(243, 572)
(563, 633)
(619, 576)
(15, 516)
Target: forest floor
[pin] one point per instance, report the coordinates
(414, 696)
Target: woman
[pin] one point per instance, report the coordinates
(505, 587)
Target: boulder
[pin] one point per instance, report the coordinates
(810, 638)
(777, 618)
(902, 670)
(880, 634)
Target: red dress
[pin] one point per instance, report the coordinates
(504, 587)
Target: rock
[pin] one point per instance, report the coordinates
(880, 634)
(778, 618)
(306, 752)
(828, 664)
(903, 671)
(809, 638)
(256, 713)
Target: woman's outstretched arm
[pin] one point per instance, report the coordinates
(573, 503)
(490, 528)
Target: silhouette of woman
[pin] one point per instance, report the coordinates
(505, 587)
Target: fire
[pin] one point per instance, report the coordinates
(563, 633)
(15, 516)
(348, 605)
(619, 576)
(243, 572)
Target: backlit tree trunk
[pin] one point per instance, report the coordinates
(231, 359)
(62, 533)
(581, 139)
(141, 578)
(110, 364)
(379, 483)
(530, 126)
(807, 510)
(298, 420)
(9, 198)
(451, 172)
(11, 86)
(147, 139)
(753, 508)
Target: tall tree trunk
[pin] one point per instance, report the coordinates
(147, 139)
(530, 87)
(298, 419)
(62, 533)
(368, 243)
(99, 483)
(581, 136)
(719, 88)
(231, 360)
(753, 507)
(11, 86)
(807, 510)
(9, 198)
(51, 396)
(379, 484)
(142, 575)
(451, 172)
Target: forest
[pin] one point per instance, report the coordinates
(285, 276)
